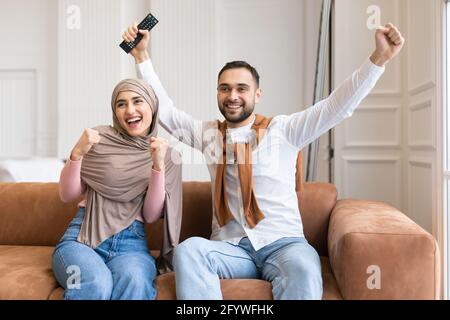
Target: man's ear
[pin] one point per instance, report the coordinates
(258, 95)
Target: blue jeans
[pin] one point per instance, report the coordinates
(290, 264)
(121, 267)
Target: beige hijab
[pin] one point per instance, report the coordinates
(116, 172)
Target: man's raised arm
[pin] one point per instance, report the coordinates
(304, 127)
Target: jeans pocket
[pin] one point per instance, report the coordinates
(138, 230)
(77, 221)
(73, 229)
(71, 233)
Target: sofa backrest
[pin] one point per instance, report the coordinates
(316, 201)
(32, 214)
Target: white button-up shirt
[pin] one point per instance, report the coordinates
(274, 159)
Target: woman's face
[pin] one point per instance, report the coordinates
(134, 113)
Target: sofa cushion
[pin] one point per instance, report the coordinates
(236, 289)
(26, 272)
(330, 286)
(233, 289)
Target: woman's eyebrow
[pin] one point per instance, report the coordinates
(124, 100)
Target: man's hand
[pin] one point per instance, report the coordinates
(389, 42)
(139, 52)
(158, 150)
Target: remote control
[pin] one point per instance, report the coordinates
(147, 24)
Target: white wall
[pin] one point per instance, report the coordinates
(27, 78)
(69, 73)
(278, 37)
(89, 66)
(55, 81)
(184, 55)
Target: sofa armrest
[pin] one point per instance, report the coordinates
(316, 201)
(377, 252)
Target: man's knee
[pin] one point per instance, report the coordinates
(192, 248)
(305, 278)
(301, 271)
(299, 282)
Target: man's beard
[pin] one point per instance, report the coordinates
(242, 116)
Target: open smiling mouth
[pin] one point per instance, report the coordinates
(233, 107)
(134, 122)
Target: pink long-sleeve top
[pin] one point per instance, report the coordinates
(71, 188)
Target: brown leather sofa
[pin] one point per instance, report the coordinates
(353, 238)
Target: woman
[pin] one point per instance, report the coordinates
(121, 170)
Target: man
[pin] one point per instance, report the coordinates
(257, 230)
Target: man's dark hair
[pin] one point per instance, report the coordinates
(238, 65)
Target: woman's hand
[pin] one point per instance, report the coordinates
(84, 144)
(139, 52)
(158, 150)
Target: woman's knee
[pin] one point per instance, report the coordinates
(82, 274)
(136, 268)
(91, 285)
(137, 279)
(134, 278)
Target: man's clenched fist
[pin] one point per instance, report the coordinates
(389, 42)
